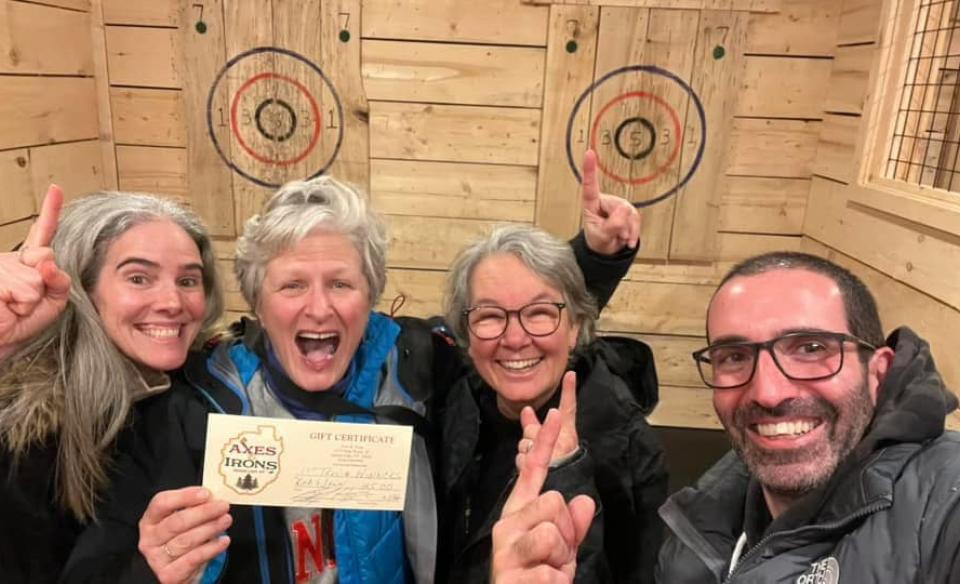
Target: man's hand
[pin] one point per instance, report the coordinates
(33, 290)
(537, 536)
(610, 223)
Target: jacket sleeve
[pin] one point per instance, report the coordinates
(575, 477)
(602, 273)
(150, 457)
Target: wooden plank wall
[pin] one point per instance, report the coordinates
(906, 249)
(459, 109)
(49, 129)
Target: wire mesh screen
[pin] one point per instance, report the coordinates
(926, 136)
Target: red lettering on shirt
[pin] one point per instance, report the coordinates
(313, 546)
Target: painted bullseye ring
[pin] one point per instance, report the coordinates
(234, 126)
(651, 70)
(677, 131)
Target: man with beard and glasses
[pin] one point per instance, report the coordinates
(841, 470)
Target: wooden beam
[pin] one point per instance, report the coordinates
(77, 167)
(17, 201)
(784, 87)
(462, 74)
(36, 39)
(148, 117)
(773, 148)
(413, 131)
(144, 57)
(44, 110)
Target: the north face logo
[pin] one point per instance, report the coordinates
(825, 571)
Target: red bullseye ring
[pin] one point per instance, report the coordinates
(677, 131)
(236, 130)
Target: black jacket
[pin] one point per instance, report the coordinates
(889, 514)
(620, 464)
(35, 535)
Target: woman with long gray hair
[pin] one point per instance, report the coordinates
(95, 308)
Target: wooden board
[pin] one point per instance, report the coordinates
(506, 22)
(901, 305)
(153, 169)
(859, 21)
(764, 205)
(773, 148)
(447, 189)
(26, 31)
(836, 152)
(209, 179)
(674, 360)
(849, 79)
(342, 61)
(444, 73)
(146, 12)
(657, 308)
(801, 27)
(685, 407)
(783, 87)
(734, 5)
(17, 200)
(430, 242)
(44, 110)
(149, 117)
(421, 291)
(108, 152)
(140, 56)
(568, 74)
(697, 209)
(663, 39)
(412, 131)
(80, 5)
(13, 234)
(919, 256)
(77, 167)
(740, 246)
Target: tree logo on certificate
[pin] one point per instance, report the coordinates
(250, 461)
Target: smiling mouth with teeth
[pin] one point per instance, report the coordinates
(317, 345)
(160, 333)
(786, 429)
(519, 364)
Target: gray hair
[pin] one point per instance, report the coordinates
(299, 209)
(72, 379)
(548, 257)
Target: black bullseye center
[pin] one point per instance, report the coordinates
(651, 138)
(269, 131)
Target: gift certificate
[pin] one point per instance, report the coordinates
(298, 463)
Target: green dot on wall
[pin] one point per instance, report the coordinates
(571, 46)
(201, 26)
(719, 52)
(344, 36)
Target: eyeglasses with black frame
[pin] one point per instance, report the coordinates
(800, 356)
(538, 319)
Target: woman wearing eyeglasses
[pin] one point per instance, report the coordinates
(517, 301)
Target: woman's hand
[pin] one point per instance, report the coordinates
(568, 441)
(610, 223)
(180, 533)
(33, 290)
(537, 535)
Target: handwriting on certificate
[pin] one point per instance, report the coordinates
(298, 463)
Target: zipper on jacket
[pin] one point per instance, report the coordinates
(466, 516)
(868, 510)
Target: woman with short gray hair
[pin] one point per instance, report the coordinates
(517, 300)
(91, 320)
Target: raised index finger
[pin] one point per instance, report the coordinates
(568, 397)
(591, 182)
(41, 232)
(534, 471)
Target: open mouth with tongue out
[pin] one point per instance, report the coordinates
(317, 348)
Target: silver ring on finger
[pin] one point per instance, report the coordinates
(167, 551)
